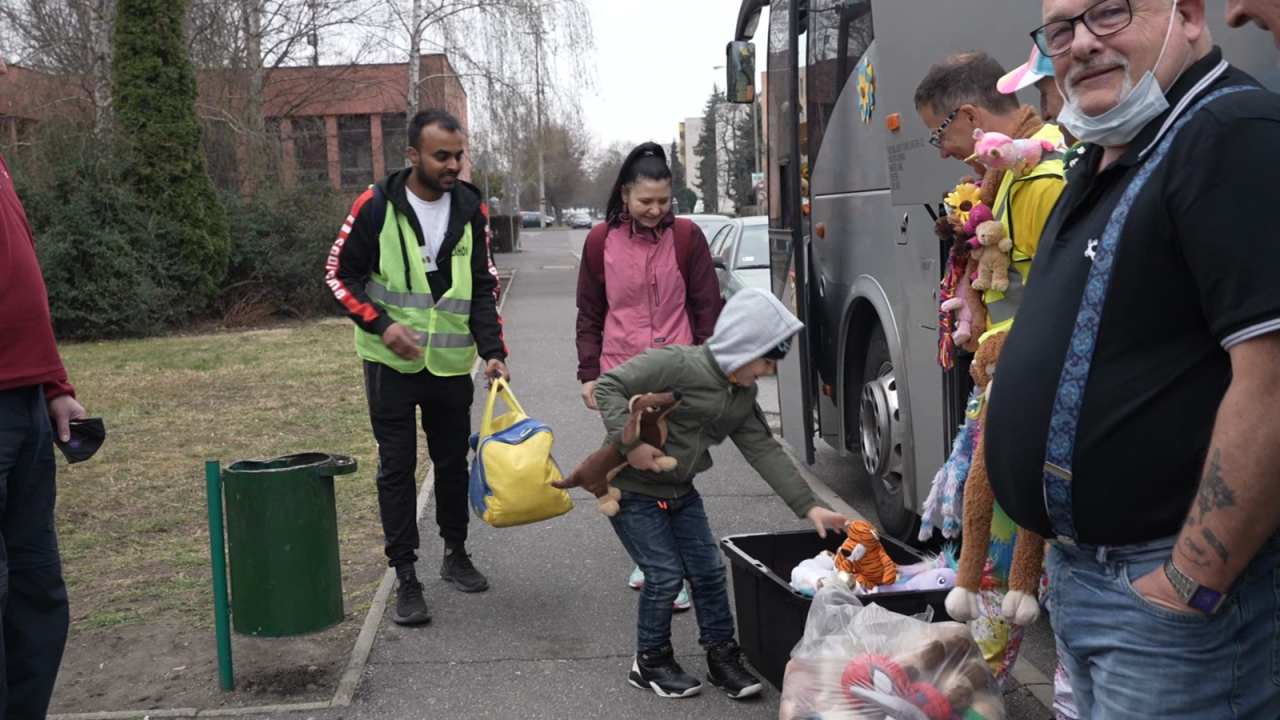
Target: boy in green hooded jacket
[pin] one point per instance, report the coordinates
(661, 521)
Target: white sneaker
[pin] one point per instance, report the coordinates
(683, 602)
(636, 581)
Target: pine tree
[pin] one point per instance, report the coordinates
(685, 199)
(161, 154)
(677, 166)
(708, 164)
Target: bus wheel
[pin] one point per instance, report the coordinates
(881, 439)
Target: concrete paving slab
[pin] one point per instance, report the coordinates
(546, 690)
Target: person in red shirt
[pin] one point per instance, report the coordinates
(33, 392)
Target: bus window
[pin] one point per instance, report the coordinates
(840, 31)
(777, 88)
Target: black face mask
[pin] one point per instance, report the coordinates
(86, 437)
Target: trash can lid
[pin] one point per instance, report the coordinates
(322, 463)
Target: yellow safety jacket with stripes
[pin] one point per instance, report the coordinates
(399, 286)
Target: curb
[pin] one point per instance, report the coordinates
(350, 679)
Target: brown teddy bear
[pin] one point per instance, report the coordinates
(1020, 605)
(948, 657)
(648, 423)
(993, 256)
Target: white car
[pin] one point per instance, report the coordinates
(740, 251)
(710, 224)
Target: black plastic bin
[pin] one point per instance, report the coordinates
(772, 614)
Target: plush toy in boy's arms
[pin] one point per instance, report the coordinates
(648, 424)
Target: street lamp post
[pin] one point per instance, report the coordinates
(542, 177)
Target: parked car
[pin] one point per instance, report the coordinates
(530, 220)
(580, 220)
(710, 224)
(740, 252)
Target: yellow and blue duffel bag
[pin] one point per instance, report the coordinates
(512, 472)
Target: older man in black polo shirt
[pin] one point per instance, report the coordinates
(1135, 419)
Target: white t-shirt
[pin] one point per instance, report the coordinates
(433, 218)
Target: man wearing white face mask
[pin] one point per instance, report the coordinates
(1136, 426)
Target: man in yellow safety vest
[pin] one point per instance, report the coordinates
(411, 267)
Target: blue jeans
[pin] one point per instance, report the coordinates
(1130, 658)
(671, 540)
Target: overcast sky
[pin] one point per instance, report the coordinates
(654, 67)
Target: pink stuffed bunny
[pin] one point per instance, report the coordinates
(965, 315)
(997, 151)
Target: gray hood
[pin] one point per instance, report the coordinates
(751, 324)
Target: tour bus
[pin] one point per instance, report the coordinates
(854, 189)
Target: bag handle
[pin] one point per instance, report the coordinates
(499, 386)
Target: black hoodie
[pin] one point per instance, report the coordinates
(355, 255)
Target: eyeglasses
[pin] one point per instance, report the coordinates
(935, 138)
(1102, 19)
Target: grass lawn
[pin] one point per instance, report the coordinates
(132, 521)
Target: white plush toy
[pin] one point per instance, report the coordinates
(812, 574)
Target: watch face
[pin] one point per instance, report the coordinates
(1206, 600)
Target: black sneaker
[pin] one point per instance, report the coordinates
(458, 569)
(726, 671)
(657, 670)
(411, 606)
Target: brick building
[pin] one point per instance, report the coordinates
(346, 124)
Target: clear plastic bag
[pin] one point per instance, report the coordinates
(868, 663)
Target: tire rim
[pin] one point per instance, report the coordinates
(879, 429)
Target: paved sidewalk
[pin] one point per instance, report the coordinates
(554, 636)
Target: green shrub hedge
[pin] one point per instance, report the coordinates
(95, 242)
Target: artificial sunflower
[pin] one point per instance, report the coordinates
(866, 90)
(963, 199)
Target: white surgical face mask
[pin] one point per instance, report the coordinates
(1118, 126)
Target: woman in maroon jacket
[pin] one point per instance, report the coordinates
(646, 281)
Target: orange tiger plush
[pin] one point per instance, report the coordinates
(863, 557)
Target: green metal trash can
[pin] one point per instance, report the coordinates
(282, 535)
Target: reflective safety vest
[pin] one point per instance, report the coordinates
(444, 326)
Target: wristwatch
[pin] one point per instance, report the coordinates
(1195, 595)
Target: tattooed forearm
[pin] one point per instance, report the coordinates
(1215, 543)
(1193, 553)
(1214, 494)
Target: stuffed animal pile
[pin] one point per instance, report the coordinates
(937, 674)
(936, 572)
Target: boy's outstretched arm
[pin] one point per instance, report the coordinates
(762, 451)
